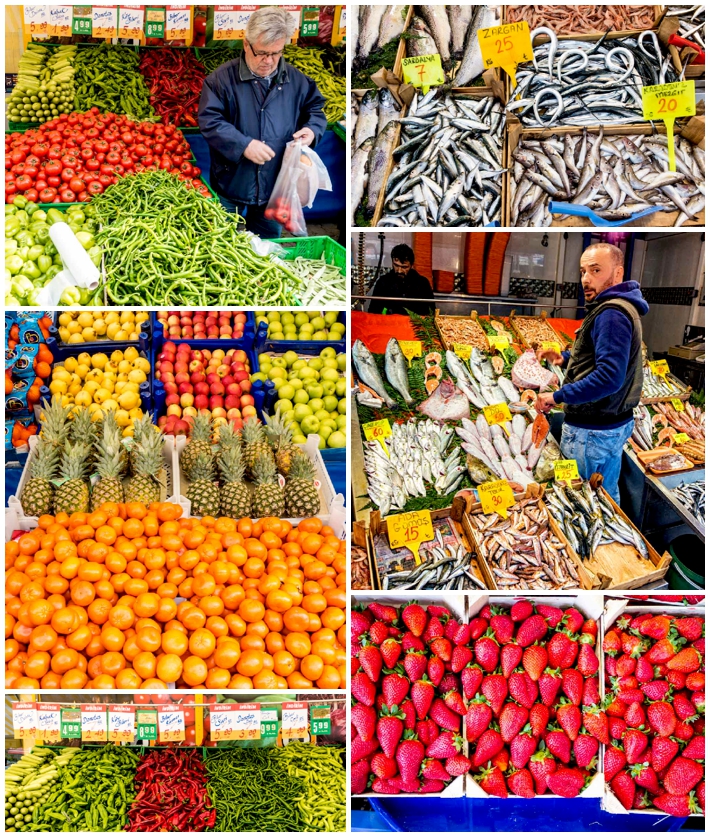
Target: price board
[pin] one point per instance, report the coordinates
(81, 21)
(411, 349)
(678, 405)
(49, 723)
(680, 438)
(24, 719)
(171, 723)
(669, 102)
(566, 470)
(147, 724)
(130, 22)
(178, 23)
(410, 529)
(295, 13)
(320, 720)
(104, 22)
(423, 71)
(59, 23)
(378, 431)
(550, 346)
(94, 723)
(235, 722)
(506, 46)
(155, 22)
(462, 350)
(294, 720)
(269, 723)
(36, 21)
(225, 23)
(499, 341)
(310, 16)
(70, 722)
(121, 722)
(659, 367)
(340, 25)
(497, 414)
(496, 497)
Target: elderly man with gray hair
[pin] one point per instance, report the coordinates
(250, 108)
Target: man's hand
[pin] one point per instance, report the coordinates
(550, 356)
(305, 135)
(258, 152)
(545, 402)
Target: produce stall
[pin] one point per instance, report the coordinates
(166, 762)
(539, 147)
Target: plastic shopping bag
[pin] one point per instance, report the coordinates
(301, 175)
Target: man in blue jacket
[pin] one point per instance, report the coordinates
(249, 109)
(604, 374)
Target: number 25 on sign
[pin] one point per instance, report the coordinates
(506, 46)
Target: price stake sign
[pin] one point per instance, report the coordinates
(225, 23)
(155, 22)
(410, 529)
(94, 725)
(235, 722)
(378, 431)
(178, 25)
(309, 21)
(659, 367)
(566, 470)
(60, 21)
(147, 724)
(506, 46)
(81, 20)
(130, 22)
(462, 350)
(500, 342)
(294, 720)
(320, 720)
(497, 414)
(49, 722)
(680, 438)
(496, 497)
(269, 723)
(678, 405)
(104, 21)
(550, 346)
(121, 722)
(669, 102)
(411, 349)
(171, 724)
(24, 720)
(71, 722)
(423, 71)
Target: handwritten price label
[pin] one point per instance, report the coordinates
(36, 21)
(669, 102)
(178, 24)
(378, 431)
(60, 21)
(49, 722)
(24, 720)
(410, 529)
(506, 46)
(294, 720)
(462, 350)
(680, 438)
(121, 722)
(236, 722)
(678, 405)
(496, 497)
(566, 470)
(94, 725)
(423, 71)
(659, 367)
(499, 341)
(104, 22)
(497, 414)
(550, 346)
(130, 22)
(411, 348)
(225, 23)
(171, 724)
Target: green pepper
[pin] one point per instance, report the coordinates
(85, 239)
(31, 270)
(36, 251)
(23, 252)
(10, 209)
(21, 285)
(39, 215)
(10, 246)
(33, 299)
(50, 249)
(31, 208)
(25, 239)
(75, 228)
(44, 262)
(20, 201)
(95, 255)
(58, 260)
(52, 272)
(23, 218)
(70, 296)
(12, 226)
(76, 215)
(84, 296)
(12, 301)
(42, 236)
(54, 216)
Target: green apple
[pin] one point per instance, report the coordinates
(298, 364)
(272, 316)
(337, 440)
(301, 411)
(318, 323)
(275, 328)
(264, 366)
(340, 387)
(257, 376)
(314, 390)
(315, 404)
(316, 363)
(286, 317)
(328, 387)
(295, 381)
(288, 417)
(299, 438)
(330, 317)
(342, 360)
(322, 443)
(328, 353)
(321, 414)
(308, 374)
(328, 374)
(301, 397)
(338, 328)
(283, 405)
(329, 422)
(307, 328)
(319, 335)
(301, 318)
(310, 424)
(290, 358)
(342, 406)
(286, 391)
(294, 426)
(342, 422)
(279, 361)
(330, 403)
(324, 432)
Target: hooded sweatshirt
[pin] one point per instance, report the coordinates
(605, 395)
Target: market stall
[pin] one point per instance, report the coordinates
(167, 762)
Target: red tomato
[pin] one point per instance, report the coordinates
(68, 174)
(53, 168)
(23, 183)
(95, 188)
(47, 195)
(32, 195)
(70, 161)
(67, 196)
(54, 180)
(92, 165)
(76, 184)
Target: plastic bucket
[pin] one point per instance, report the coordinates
(680, 575)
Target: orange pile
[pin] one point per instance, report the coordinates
(91, 602)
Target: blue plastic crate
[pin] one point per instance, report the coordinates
(61, 350)
(266, 344)
(246, 341)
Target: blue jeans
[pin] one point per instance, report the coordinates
(254, 217)
(597, 451)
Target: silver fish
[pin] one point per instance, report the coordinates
(377, 164)
(471, 66)
(369, 29)
(438, 23)
(387, 109)
(368, 372)
(366, 125)
(419, 40)
(391, 24)
(359, 174)
(396, 369)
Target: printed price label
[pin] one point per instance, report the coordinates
(49, 723)
(294, 720)
(171, 724)
(269, 723)
(550, 346)
(121, 722)
(680, 438)
(60, 21)
(94, 725)
(462, 350)
(410, 529)
(378, 431)
(497, 414)
(178, 25)
(310, 16)
(669, 102)
(36, 21)
(566, 470)
(130, 21)
(71, 722)
(659, 367)
(24, 720)
(155, 22)
(104, 21)
(496, 496)
(678, 405)
(423, 71)
(236, 722)
(500, 342)
(320, 720)
(506, 46)
(411, 349)
(147, 724)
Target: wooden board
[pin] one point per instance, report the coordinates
(472, 319)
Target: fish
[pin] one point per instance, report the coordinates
(478, 470)
(545, 467)
(668, 462)
(396, 369)
(527, 372)
(691, 21)
(509, 389)
(444, 566)
(459, 21)
(692, 496)
(368, 372)
(366, 124)
(368, 30)
(583, 20)
(377, 164)
(391, 24)
(419, 39)
(359, 174)
(446, 403)
(387, 109)
(438, 22)
(471, 66)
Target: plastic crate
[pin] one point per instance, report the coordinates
(21, 127)
(338, 130)
(246, 342)
(262, 343)
(315, 247)
(61, 350)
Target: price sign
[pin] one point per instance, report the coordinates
(462, 350)
(36, 21)
(410, 529)
(49, 722)
(423, 71)
(496, 496)
(497, 414)
(94, 725)
(130, 22)
(411, 349)
(104, 22)
(309, 21)
(294, 720)
(378, 431)
(678, 405)
(121, 722)
(171, 723)
(155, 22)
(659, 367)
(178, 25)
(147, 724)
(499, 341)
(71, 722)
(269, 723)
(320, 720)
(235, 722)
(60, 21)
(680, 438)
(81, 20)
(506, 46)
(24, 720)
(226, 23)
(669, 102)
(550, 346)
(566, 470)
(339, 26)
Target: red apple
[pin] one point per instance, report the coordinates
(182, 377)
(234, 389)
(170, 386)
(248, 411)
(187, 399)
(202, 388)
(217, 388)
(202, 401)
(231, 401)
(172, 398)
(219, 412)
(246, 400)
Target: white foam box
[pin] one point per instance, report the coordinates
(591, 606)
(615, 607)
(456, 603)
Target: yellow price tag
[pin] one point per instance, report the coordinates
(566, 470)
(411, 348)
(659, 367)
(680, 438)
(423, 71)
(500, 341)
(496, 497)
(669, 102)
(506, 46)
(462, 350)
(378, 431)
(410, 529)
(678, 405)
(497, 414)
(550, 346)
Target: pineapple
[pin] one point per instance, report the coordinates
(302, 498)
(235, 496)
(268, 498)
(55, 421)
(73, 494)
(228, 436)
(148, 472)
(83, 429)
(203, 491)
(141, 427)
(255, 444)
(280, 436)
(110, 425)
(200, 441)
(109, 466)
(38, 493)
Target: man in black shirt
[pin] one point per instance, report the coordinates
(404, 283)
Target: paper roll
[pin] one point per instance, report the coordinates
(76, 259)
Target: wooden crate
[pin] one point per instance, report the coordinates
(514, 319)
(473, 318)
(594, 36)
(402, 49)
(360, 538)
(684, 395)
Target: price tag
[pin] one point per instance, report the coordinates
(659, 367)
(566, 470)
(49, 723)
(36, 21)
(680, 438)
(94, 726)
(294, 720)
(24, 720)
(225, 23)
(178, 25)
(309, 21)
(320, 720)
(462, 350)
(60, 21)
(411, 349)
(130, 22)
(339, 26)
(506, 46)
(269, 723)
(423, 71)
(121, 722)
(171, 723)
(378, 431)
(147, 724)
(550, 346)
(669, 102)
(155, 22)
(497, 414)
(104, 21)
(678, 405)
(71, 722)
(499, 341)
(410, 529)
(235, 722)
(496, 496)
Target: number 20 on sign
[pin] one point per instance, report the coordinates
(669, 102)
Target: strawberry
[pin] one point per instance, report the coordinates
(360, 621)
(614, 761)
(384, 767)
(408, 786)
(562, 650)
(522, 688)
(574, 622)
(553, 615)
(364, 719)
(412, 643)
(689, 627)
(487, 652)
(686, 660)
(635, 742)
(542, 766)
(415, 664)
(455, 702)
(486, 612)
(385, 786)
(645, 777)
(522, 747)
(460, 658)
(566, 782)
(569, 718)
(682, 776)
(441, 646)
(590, 692)
(662, 651)
(502, 626)
(390, 729)
(510, 656)
(391, 651)
(415, 618)
(501, 760)
(434, 769)
(458, 634)
(395, 687)
(444, 717)
(559, 744)
(695, 681)
(587, 661)
(661, 718)
(495, 688)
(422, 694)
(427, 731)
(385, 613)
(435, 669)
(700, 793)
(448, 682)
(410, 754)
(378, 633)
(656, 689)
(633, 646)
(573, 685)
(471, 679)
(431, 786)
(520, 783)
(359, 776)
(489, 745)
(550, 683)
(532, 629)
(362, 688)
(596, 723)
(615, 708)
(434, 630)
(695, 748)
(410, 714)
(371, 661)
(675, 805)
(478, 717)
(629, 696)
(512, 719)
(539, 718)
(446, 745)
(611, 644)
(477, 627)
(683, 707)
(439, 611)
(492, 781)
(635, 716)
(617, 727)
(585, 749)
(457, 765)
(644, 670)
(624, 788)
(657, 627)
(521, 610)
(663, 751)
(534, 661)
(684, 731)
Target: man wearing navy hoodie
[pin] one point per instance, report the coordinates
(604, 370)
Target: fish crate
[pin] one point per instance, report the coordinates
(518, 322)
(472, 321)
(692, 71)
(648, 457)
(402, 49)
(591, 606)
(659, 14)
(682, 395)
(360, 538)
(615, 607)
(693, 130)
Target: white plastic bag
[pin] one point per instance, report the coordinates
(301, 175)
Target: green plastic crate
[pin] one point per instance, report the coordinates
(21, 127)
(338, 130)
(315, 247)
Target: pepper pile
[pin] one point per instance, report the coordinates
(106, 76)
(174, 79)
(173, 793)
(319, 66)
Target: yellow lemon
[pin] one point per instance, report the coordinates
(127, 400)
(85, 359)
(100, 326)
(122, 418)
(83, 398)
(143, 364)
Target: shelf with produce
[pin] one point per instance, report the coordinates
(267, 338)
(102, 327)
